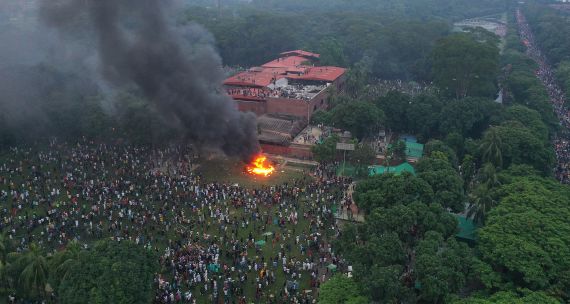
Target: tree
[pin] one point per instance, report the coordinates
(4, 246)
(506, 297)
(61, 263)
(481, 201)
(4, 275)
(526, 235)
(321, 117)
(530, 118)
(357, 78)
(444, 180)
(332, 52)
(463, 66)
(339, 290)
(395, 105)
(363, 156)
(360, 118)
(491, 148)
(389, 253)
(439, 146)
(519, 145)
(388, 189)
(487, 176)
(33, 271)
(442, 267)
(422, 116)
(456, 141)
(467, 170)
(111, 272)
(468, 117)
(325, 152)
(398, 150)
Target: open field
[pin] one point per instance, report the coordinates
(233, 172)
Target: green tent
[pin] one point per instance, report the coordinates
(260, 243)
(332, 267)
(467, 229)
(397, 170)
(414, 150)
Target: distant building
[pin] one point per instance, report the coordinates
(284, 94)
(289, 85)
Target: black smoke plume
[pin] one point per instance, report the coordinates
(138, 44)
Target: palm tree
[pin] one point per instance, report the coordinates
(34, 275)
(61, 262)
(4, 278)
(491, 148)
(481, 201)
(488, 176)
(4, 247)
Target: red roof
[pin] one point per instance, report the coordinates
(252, 79)
(266, 76)
(292, 67)
(301, 53)
(324, 73)
(290, 61)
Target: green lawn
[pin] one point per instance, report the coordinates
(233, 172)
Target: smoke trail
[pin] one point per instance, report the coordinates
(137, 45)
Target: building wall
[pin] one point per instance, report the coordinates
(320, 102)
(287, 106)
(294, 150)
(339, 82)
(296, 107)
(257, 107)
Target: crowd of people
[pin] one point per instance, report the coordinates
(412, 88)
(545, 73)
(218, 243)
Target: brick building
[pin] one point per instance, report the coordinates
(284, 94)
(289, 85)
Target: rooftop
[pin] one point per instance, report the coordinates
(288, 62)
(295, 66)
(397, 170)
(467, 228)
(301, 53)
(279, 129)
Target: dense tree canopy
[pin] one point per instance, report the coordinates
(505, 297)
(444, 180)
(381, 255)
(340, 290)
(387, 190)
(464, 66)
(527, 235)
(520, 145)
(360, 118)
(111, 272)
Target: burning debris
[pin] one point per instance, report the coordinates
(260, 166)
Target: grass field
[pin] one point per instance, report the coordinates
(233, 172)
(230, 172)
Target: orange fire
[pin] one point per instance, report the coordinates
(260, 166)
